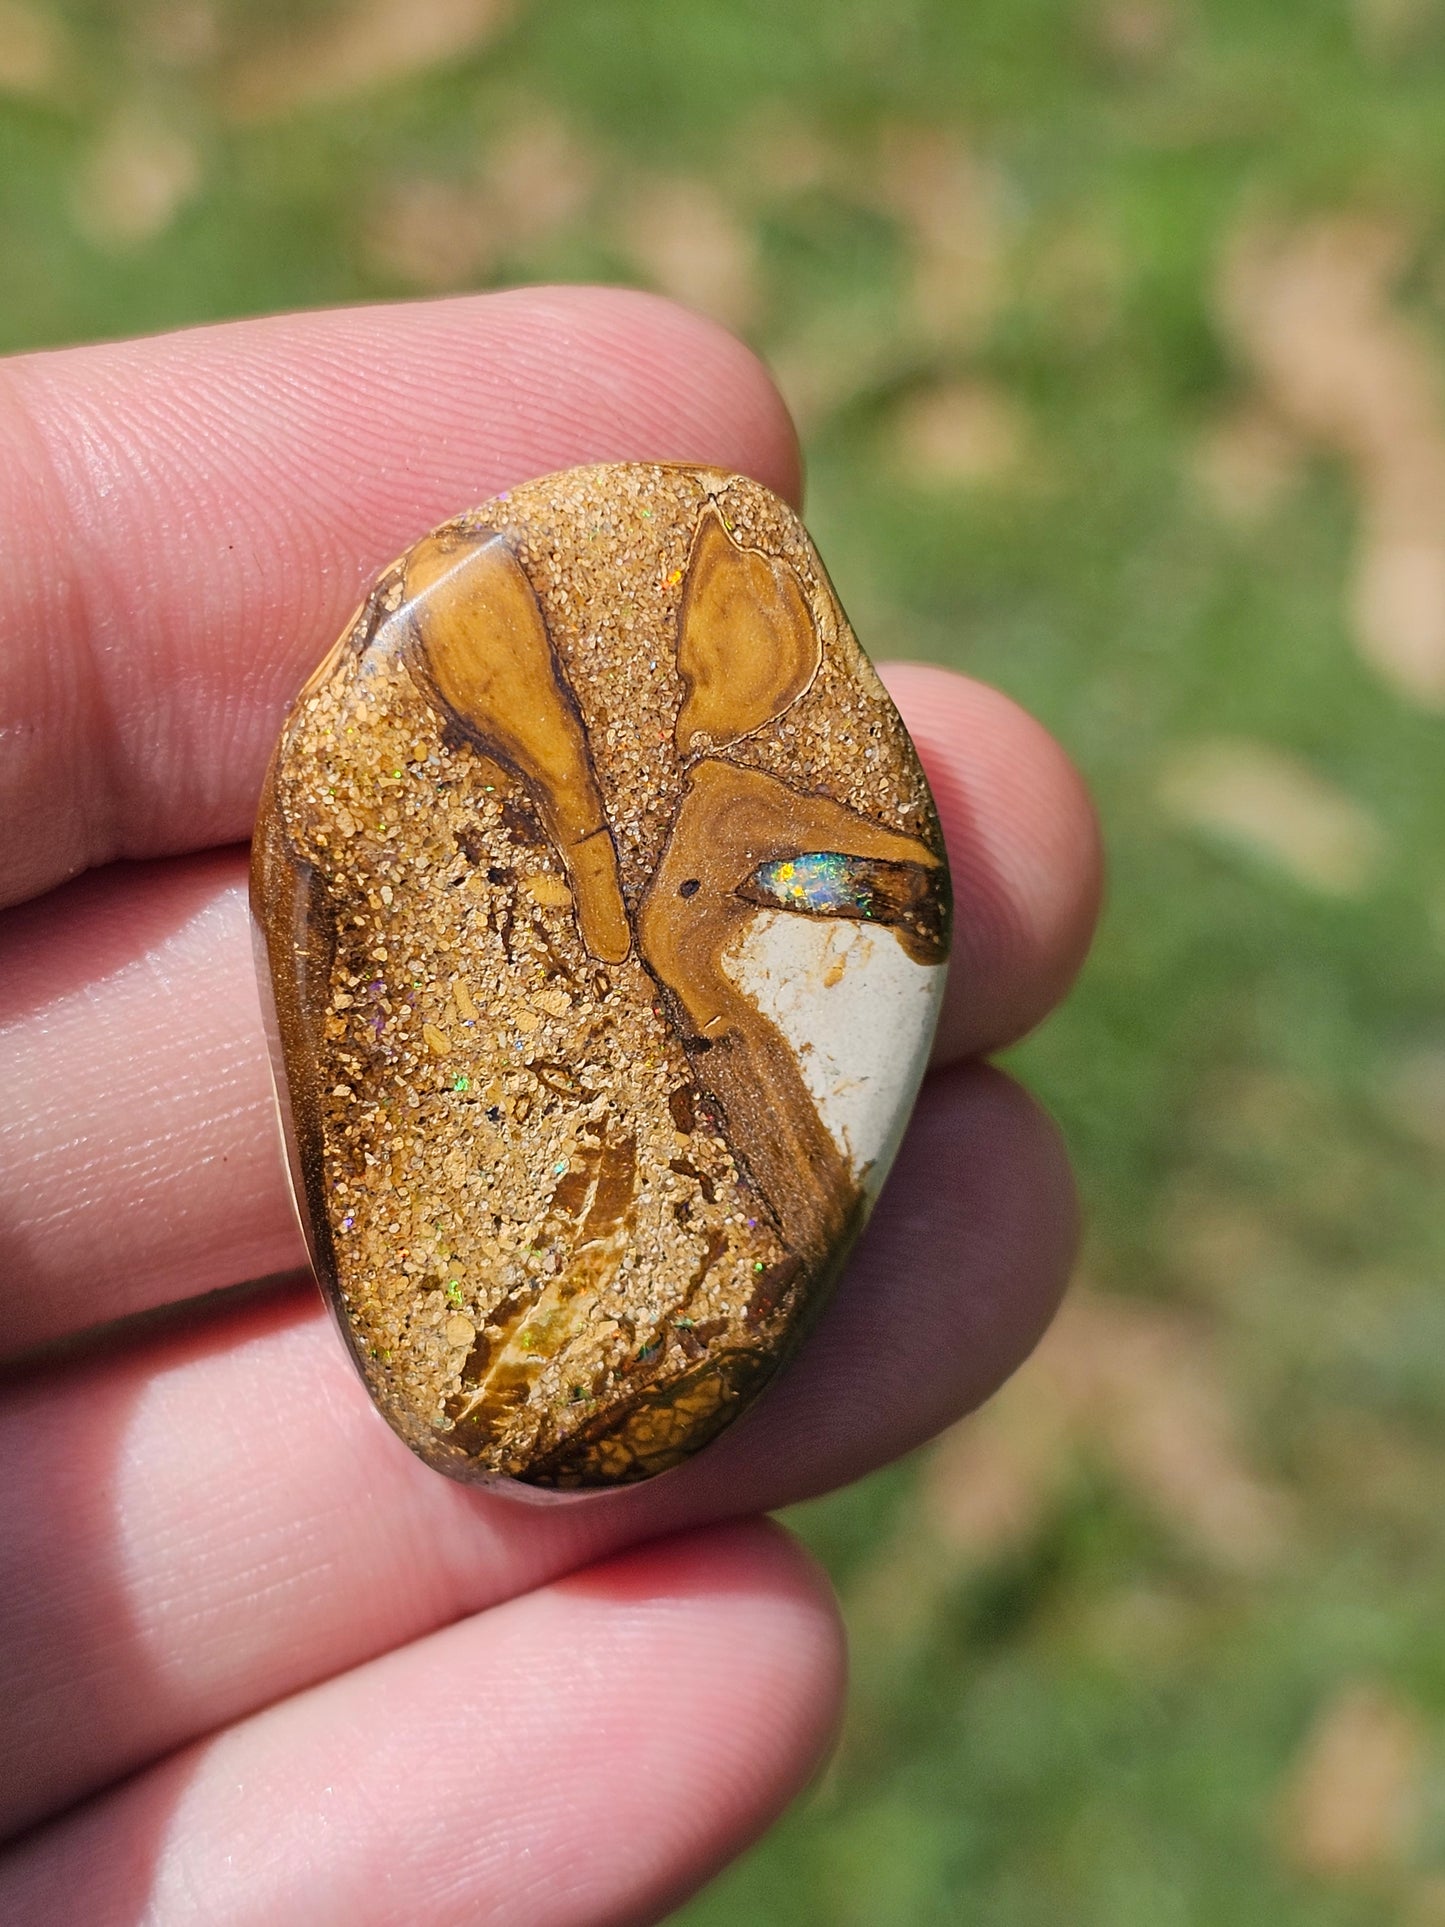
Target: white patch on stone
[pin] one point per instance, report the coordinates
(859, 1014)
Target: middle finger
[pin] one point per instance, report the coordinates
(142, 1156)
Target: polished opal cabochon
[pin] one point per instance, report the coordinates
(604, 921)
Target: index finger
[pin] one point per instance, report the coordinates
(187, 521)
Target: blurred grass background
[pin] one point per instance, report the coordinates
(1116, 329)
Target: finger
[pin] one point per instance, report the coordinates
(210, 1521)
(186, 522)
(140, 1137)
(586, 1754)
(1023, 846)
(140, 1146)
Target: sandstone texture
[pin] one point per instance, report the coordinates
(604, 917)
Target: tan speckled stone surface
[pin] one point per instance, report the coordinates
(579, 858)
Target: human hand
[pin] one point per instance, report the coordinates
(259, 1663)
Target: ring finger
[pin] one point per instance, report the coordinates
(217, 1518)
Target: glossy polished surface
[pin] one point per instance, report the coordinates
(605, 919)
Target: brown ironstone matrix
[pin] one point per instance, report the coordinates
(604, 916)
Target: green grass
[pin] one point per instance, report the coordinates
(1093, 1724)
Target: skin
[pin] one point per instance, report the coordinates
(258, 1663)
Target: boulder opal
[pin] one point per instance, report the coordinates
(605, 914)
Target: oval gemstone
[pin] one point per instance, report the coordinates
(604, 919)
